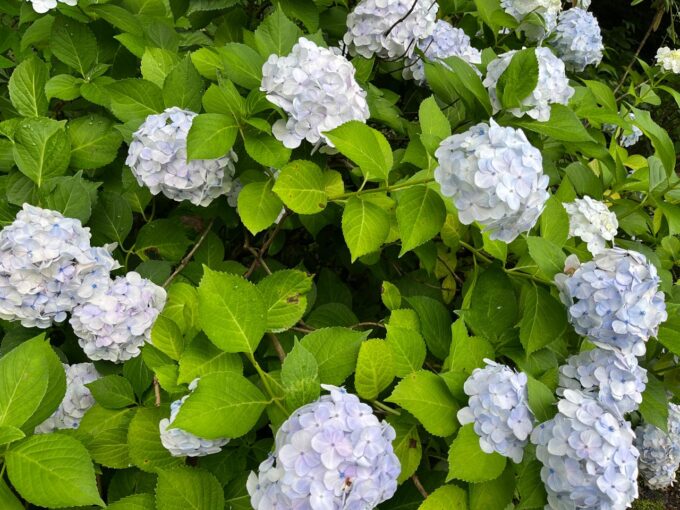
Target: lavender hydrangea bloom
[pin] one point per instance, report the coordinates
(389, 28)
(660, 451)
(592, 221)
(589, 460)
(446, 41)
(42, 6)
(181, 443)
(615, 380)
(578, 39)
(494, 176)
(315, 86)
(331, 454)
(47, 266)
(547, 9)
(116, 321)
(552, 87)
(76, 402)
(613, 300)
(499, 410)
(158, 160)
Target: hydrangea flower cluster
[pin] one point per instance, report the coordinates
(613, 300)
(77, 400)
(446, 41)
(47, 266)
(552, 87)
(627, 138)
(616, 381)
(578, 39)
(389, 28)
(331, 454)
(116, 321)
(42, 6)
(498, 409)
(659, 451)
(668, 59)
(547, 9)
(316, 87)
(589, 460)
(181, 443)
(494, 176)
(158, 159)
(592, 221)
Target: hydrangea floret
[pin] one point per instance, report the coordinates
(616, 381)
(668, 59)
(446, 41)
(115, 322)
(552, 87)
(77, 400)
(158, 159)
(659, 451)
(389, 29)
(331, 454)
(593, 222)
(546, 9)
(42, 6)
(578, 39)
(495, 177)
(47, 267)
(316, 87)
(614, 299)
(181, 443)
(588, 456)
(628, 137)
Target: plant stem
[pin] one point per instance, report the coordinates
(476, 251)
(385, 408)
(419, 486)
(394, 187)
(265, 382)
(187, 258)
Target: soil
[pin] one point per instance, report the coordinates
(668, 499)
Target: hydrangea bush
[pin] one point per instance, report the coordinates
(338, 255)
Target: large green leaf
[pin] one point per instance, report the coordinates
(368, 148)
(300, 377)
(336, 350)
(407, 348)
(27, 87)
(469, 463)
(134, 99)
(365, 226)
(375, 368)
(301, 186)
(183, 87)
(106, 433)
(188, 489)
(94, 142)
(420, 215)
(284, 292)
(543, 321)
(144, 440)
(42, 149)
(519, 79)
(258, 205)
(446, 497)
(242, 64)
(74, 44)
(276, 34)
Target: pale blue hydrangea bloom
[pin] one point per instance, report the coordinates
(577, 39)
(77, 400)
(181, 443)
(589, 460)
(552, 87)
(316, 87)
(660, 451)
(615, 380)
(495, 177)
(592, 221)
(47, 267)
(628, 138)
(332, 454)
(614, 300)
(116, 321)
(446, 41)
(546, 9)
(158, 159)
(42, 6)
(498, 409)
(389, 29)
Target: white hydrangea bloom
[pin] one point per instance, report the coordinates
(181, 443)
(315, 86)
(158, 159)
(552, 87)
(116, 321)
(615, 380)
(446, 41)
(627, 138)
(668, 59)
(659, 451)
(589, 460)
(592, 221)
(47, 267)
(42, 6)
(614, 299)
(547, 9)
(77, 400)
(578, 39)
(498, 409)
(332, 454)
(389, 28)
(494, 176)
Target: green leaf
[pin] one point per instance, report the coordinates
(146, 450)
(496, 493)
(167, 337)
(41, 149)
(434, 126)
(336, 351)
(375, 368)
(134, 502)
(493, 305)
(202, 357)
(242, 65)
(188, 488)
(365, 226)
(211, 136)
(53, 470)
(225, 99)
(74, 44)
(301, 187)
(94, 142)
(660, 139)
(9, 434)
(455, 79)
(119, 18)
(541, 400)
(112, 392)
(27, 87)
(406, 444)
(183, 87)
(420, 215)
(563, 125)
(64, 87)
(425, 395)
(669, 332)
(469, 353)
(212, 412)
(365, 146)
(408, 350)
(106, 433)
(300, 377)
(111, 219)
(543, 319)
(264, 148)
(469, 463)
(446, 497)
(519, 79)
(548, 255)
(529, 484)
(161, 237)
(133, 99)
(555, 222)
(157, 64)
(435, 322)
(276, 34)
(258, 205)
(232, 310)
(8, 501)
(284, 294)
(654, 407)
